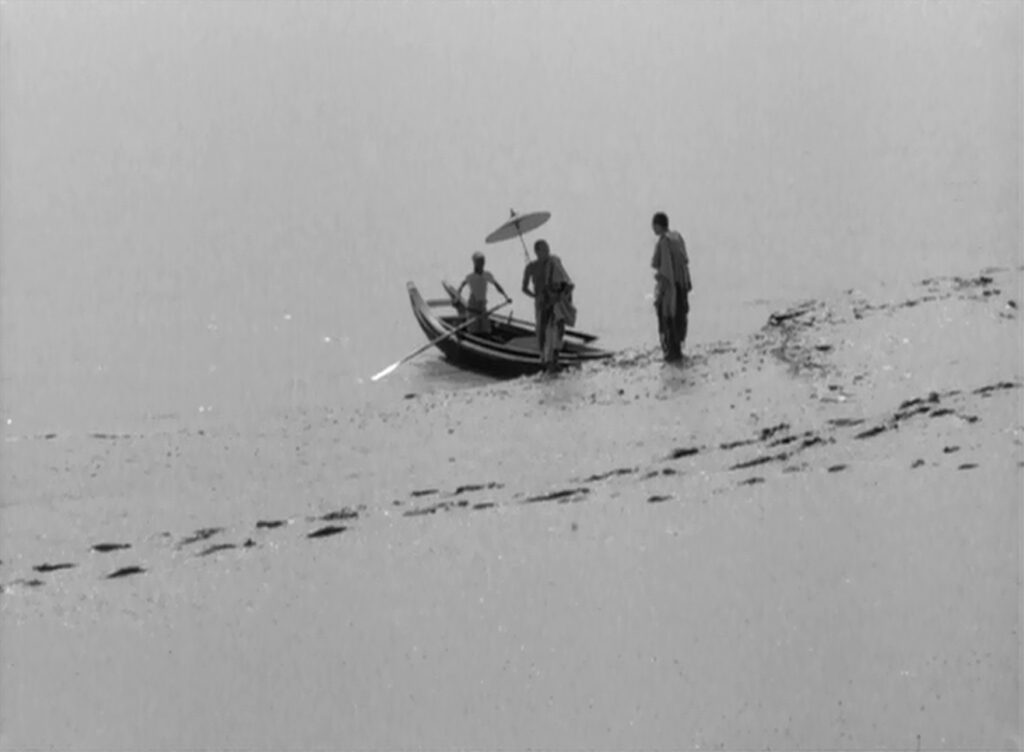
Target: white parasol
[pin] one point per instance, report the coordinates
(516, 225)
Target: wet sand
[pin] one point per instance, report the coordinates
(806, 538)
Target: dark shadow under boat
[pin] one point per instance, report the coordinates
(509, 350)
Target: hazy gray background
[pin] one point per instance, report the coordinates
(219, 204)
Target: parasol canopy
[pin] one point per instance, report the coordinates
(516, 225)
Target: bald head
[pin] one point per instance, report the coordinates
(659, 223)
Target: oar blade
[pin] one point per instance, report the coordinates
(414, 353)
(381, 374)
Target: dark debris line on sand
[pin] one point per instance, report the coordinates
(845, 422)
(655, 473)
(327, 531)
(345, 513)
(610, 473)
(125, 572)
(44, 568)
(681, 452)
(201, 534)
(270, 524)
(781, 457)
(736, 444)
(987, 390)
(215, 548)
(871, 432)
(105, 548)
(477, 487)
(441, 506)
(930, 405)
(565, 495)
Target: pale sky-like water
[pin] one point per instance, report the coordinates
(217, 205)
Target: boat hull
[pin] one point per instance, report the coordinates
(510, 350)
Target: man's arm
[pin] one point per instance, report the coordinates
(499, 289)
(526, 281)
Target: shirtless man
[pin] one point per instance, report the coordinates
(478, 280)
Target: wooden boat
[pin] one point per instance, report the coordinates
(510, 349)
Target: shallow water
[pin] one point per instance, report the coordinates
(210, 212)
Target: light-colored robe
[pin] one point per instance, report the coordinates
(556, 309)
(559, 291)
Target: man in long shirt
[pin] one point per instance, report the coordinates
(672, 287)
(552, 299)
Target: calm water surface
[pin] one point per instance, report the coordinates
(210, 211)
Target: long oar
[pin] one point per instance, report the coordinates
(433, 342)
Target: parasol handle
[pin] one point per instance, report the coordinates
(526, 253)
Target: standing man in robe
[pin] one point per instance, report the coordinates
(672, 287)
(552, 302)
